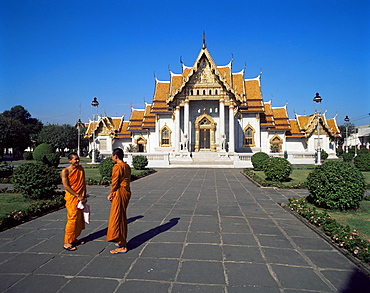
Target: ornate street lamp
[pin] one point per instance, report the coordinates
(94, 104)
(347, 123)
(318, 99)
(79, 125)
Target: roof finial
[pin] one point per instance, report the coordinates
(181, 60)
(245, 65)
(232, 58)
(204, 40)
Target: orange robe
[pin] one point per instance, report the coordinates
(120, 189)
(75, 220)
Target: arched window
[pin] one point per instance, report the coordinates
(249, 136)
(275, 144)
(204, 92)
(216, 92)
(165, 137)
(210, 92)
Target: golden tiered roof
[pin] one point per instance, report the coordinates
(267, 118)
(295, 131)
(281, 119)
(136, 120)
(308, 124)
(115, 127)
(160, 96)
(149, 118)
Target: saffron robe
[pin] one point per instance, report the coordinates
(120, 189)
(75, 219)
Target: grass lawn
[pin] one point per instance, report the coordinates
(356, 219)
(300, 175)
(12, 201)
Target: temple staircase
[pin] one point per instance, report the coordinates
(204, 159)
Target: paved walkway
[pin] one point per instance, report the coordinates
(191, 230)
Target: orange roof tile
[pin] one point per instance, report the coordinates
(176, 81)
(253, 97)
(160, 96)
(295, 130)
(136, 120)
(238, 83)
(123, 132)
(149, 118)
(267, 119)
(225, 73)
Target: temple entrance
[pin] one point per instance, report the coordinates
(205, 142)
(141, 144)
(205, 128)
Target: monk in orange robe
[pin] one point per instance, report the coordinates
(73, 178)
(119, 196)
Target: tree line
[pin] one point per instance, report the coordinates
(19, 131)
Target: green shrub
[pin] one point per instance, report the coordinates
(277, 169)
(258, 160)
(105, 168)
(132, 148)
(324, 155)
(35, 180)
(362, 161)
(41, 151)
(27, 156)
(139, 162)
(53, 159)
(336, 185)
(363, 151)
(347, 157)
(339, 153)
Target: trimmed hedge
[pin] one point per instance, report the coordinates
(27, 156)
(336, 185)
(258, 159)
(41, 151)
(139, 162)
(362, 160)
(277, 169)
(105, 168)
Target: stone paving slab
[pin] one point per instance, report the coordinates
(190, 230)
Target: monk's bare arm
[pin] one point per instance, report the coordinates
(66, 184)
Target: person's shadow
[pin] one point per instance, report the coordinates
(103, 232)
(144, 237)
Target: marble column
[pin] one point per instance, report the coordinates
(177, 128)
(186, 124)
(231, 129)
(222, 122)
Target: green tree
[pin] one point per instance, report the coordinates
(59, 136)
(13, 134)
(32, 125)
(343, 132)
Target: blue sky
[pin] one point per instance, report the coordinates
(55, 56)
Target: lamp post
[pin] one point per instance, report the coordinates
(347, 122)
(318, 99)
(94, 103)
(79, 125)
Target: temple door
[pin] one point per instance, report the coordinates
(205, 142)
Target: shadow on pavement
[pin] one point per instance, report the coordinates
(103, 232)
(144, 237)
(357, 282)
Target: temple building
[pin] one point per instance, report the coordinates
(208, 111)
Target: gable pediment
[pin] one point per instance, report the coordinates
(203, 81)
